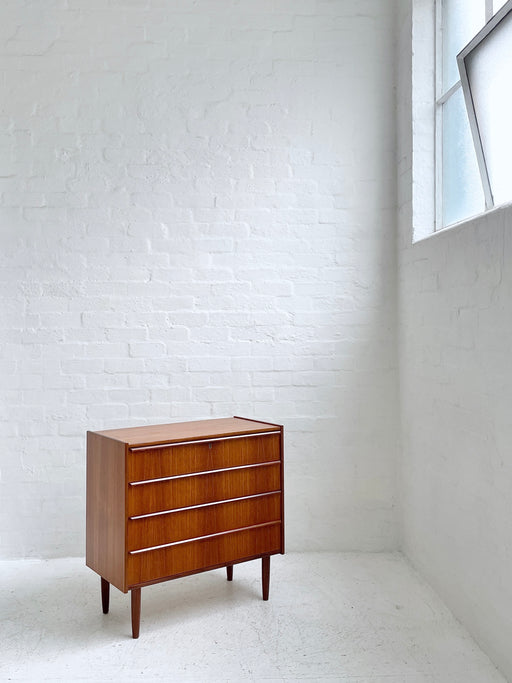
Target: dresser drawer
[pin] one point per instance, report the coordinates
(191, 556)
(201, 456)
(198, 489)
(169, 527)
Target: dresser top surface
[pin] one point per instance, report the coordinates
(187, 431)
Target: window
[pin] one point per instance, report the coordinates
(472, 153)
(485, 66)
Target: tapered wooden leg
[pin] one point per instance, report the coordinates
(105, 595)
(265, 575)
(229, 570)
(135, 612)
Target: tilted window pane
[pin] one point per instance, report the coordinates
(462, 19)
(462, 194)
(489, 69)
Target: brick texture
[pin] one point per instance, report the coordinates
(455, 336)
(197, 207)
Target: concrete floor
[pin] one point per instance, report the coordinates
(356, 618)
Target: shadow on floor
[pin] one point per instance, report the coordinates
(50, 602)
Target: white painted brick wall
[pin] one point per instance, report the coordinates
(197, 220)
(455, 338)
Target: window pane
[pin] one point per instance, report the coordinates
(462, 19)
(497, 4)
(462, 189)
(489, 69)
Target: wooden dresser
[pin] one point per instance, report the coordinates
(169, 500)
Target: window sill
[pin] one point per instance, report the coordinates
(498, 211)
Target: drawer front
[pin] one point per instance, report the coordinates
(180, 492)
(205, 553)
(179, 525)
(172, 460)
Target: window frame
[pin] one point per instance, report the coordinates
(442, 96)
(422, 94)
(490, 25)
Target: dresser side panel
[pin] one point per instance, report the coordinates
(106, 517)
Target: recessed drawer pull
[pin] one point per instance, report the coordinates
(172, 460)
(180, 492)
(200, 538)
(203, 505)
(136, 449)
(200, 474)
(206, 520)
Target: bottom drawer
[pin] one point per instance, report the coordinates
(204, 553)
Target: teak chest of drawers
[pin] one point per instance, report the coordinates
(169, 500)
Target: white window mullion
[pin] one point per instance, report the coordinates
(451, 91)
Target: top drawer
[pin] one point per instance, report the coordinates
(201, 456)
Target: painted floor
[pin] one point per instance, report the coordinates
(356, 618)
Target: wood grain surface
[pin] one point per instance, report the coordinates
(168, 461)
(203, 554)
(170, 494)
(187, 431)
(170, 527)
